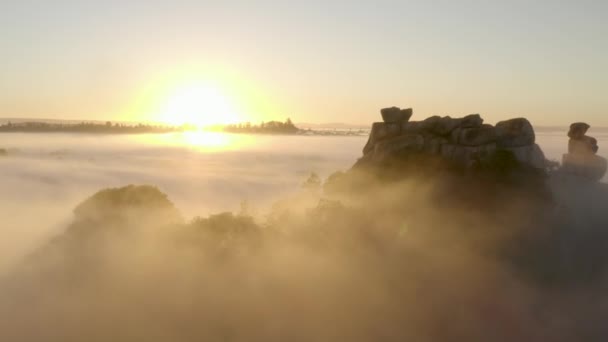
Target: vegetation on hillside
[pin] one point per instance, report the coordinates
(423, 253)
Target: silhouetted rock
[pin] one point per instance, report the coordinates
(515, 133)
(412, 127)
(478, 136)
(445, 125)
(531, 155)
(429, 124)
(398, 146)
(581, 159)
(578, 130)
(463, 141)
(433, 144)
(471, 120)
(379, 132)
(467, 156)
(396, 114)
(584, 145)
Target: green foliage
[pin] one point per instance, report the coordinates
(88, 127)
(223, 235)
(126, 205)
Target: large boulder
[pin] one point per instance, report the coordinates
(531, 155)
(400, 146)
(445, 125)
(396, 114)
(471, 121)
(581, 159)
(379, 132)
(430, 123)
(515, 133)
(578, 130)
(478, 136)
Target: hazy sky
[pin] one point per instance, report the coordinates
(315, 61)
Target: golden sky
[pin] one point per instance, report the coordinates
(312, 61)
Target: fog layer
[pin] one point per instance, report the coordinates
(417, 254)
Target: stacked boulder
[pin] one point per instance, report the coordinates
(464, 141)
(581, 158)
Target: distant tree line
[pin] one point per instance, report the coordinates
(270, 127)
(87, 127)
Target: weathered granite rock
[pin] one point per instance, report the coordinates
(465, 141)
(531, 155)
(467, 155)
(578, 130)
(433, 144)
(587, 166)
(396, 114)
(379, 132)
(584, 145)
(407, 113)
(445, 125)
(471, 121)
(478, 136)
(398, 146)
(515, 133)
(581, 159)
(430, 123)
(412, 127)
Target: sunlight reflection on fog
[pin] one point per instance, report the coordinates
(46, 175)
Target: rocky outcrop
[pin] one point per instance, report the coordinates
(465, 141)
(581, 159)
(396, 114)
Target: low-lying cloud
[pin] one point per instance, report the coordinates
(424, 258)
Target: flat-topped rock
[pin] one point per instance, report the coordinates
(396, 114)
(578, 130)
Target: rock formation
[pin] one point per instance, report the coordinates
(464, 141)
(581, 159)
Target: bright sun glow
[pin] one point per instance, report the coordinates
(200, 140)
(198, 104)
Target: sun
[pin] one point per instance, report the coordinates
(198, 104)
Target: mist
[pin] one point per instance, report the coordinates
(245, 245)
